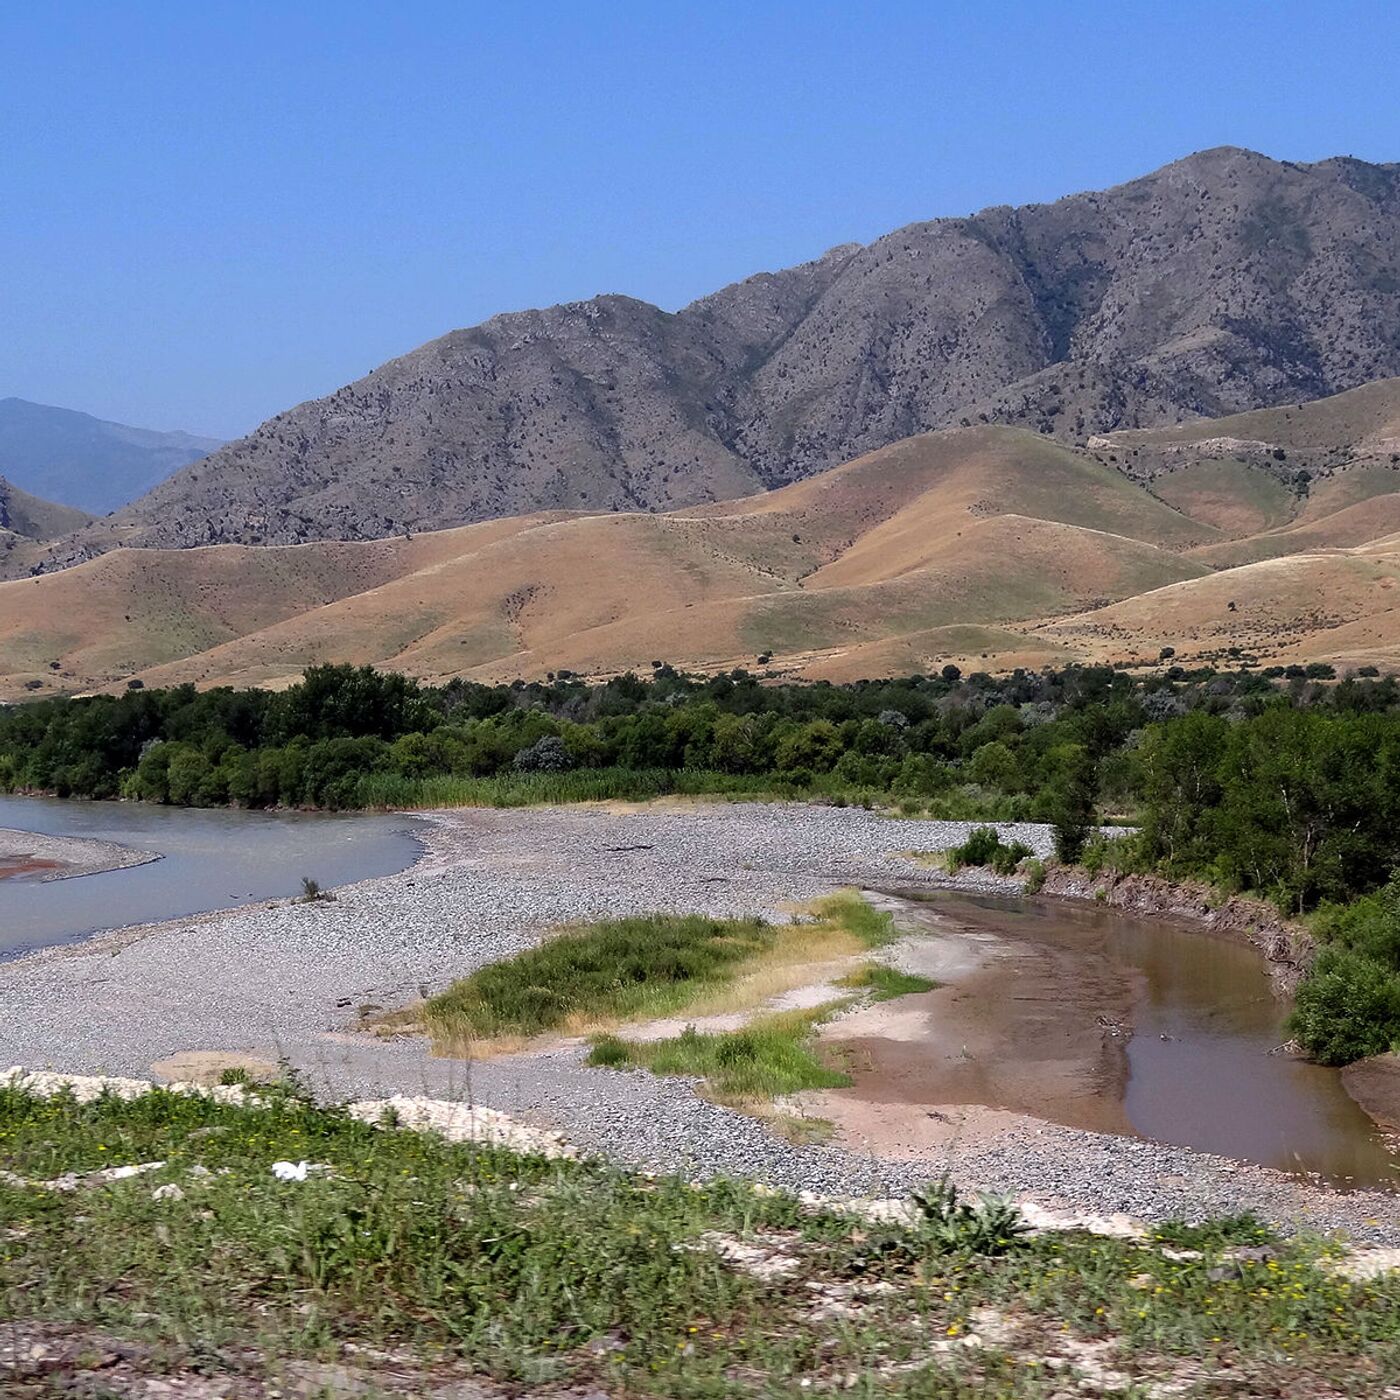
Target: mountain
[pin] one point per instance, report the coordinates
(1222, 283)
(966, 529)
(989, 547)
(28, 519)
(86, 462)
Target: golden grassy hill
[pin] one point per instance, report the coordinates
(1366, 420)
(988, 547)
(1327, 606)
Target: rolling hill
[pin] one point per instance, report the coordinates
(1222, 283)
(986, 546)
(969, 526)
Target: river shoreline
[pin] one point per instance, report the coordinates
(32, 854)
(297, 983)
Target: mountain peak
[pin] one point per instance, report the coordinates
(1224, 282)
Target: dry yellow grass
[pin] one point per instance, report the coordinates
(985, 547)
(1232, 497)
(1302, 607)
(1368, 416)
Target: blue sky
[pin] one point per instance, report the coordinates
(210, 211)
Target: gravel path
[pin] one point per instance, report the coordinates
(287, 980)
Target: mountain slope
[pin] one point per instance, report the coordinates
(969, 526)
(30, 518)
(86, 462)
(1222, 283)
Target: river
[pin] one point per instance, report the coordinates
(212, 859)
(1093, 1018)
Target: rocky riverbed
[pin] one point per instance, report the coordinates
(295, 982)
(34, 855)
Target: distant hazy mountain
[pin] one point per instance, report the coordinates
(86, 462)
(1222, 283)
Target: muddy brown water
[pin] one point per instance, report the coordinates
(1099, 1020)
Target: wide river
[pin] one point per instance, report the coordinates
(211, 860)
(1077, 1014)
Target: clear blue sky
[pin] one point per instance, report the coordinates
(209, 211)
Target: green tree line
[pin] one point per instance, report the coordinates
(1284, 785)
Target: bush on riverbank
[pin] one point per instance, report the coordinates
(1348, 1005)
(984, 847)
(404, 1263)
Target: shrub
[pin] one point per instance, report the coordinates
(990, 1226)
(978, 849)
(1348, 1007)
(546, 755)
(984, 847)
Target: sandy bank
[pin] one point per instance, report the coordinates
(1014, 1027)
(30, 854)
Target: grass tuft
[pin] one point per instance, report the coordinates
(847, 910)
(887, 983)
(771, 1056)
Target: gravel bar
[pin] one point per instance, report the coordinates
(73, 855)
(288, 980)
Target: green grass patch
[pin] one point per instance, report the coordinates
(848, 910)
(464, 1261)
(614, 970)
(771, 1056)
(886, 983)
(1223, 1232)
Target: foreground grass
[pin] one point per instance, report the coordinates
(462, 1260)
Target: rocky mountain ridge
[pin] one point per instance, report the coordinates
(1222, 283)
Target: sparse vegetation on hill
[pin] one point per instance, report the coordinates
(1225, 281)
(987, 546)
